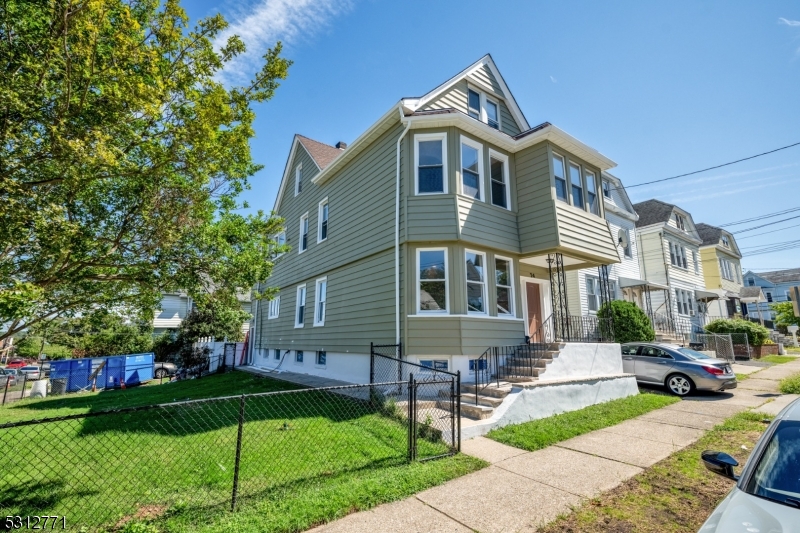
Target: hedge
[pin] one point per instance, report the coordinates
(630, 322)
(756, 333)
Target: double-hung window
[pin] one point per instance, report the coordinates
(751, 282)
(322, 226)
(274, 308)
(298, 179)
(303, 234)
(280, 241)
(559, 173)
(474, 104)
(593, 293)
(627, 248)
(504, 283)
(476, 282)
(430, 156)
(725, 242)
(320, 301)
(577, 185)
(498, 170)
(684, 301)
(680, 222)
(471, 169)
(606, 189)
(492, 115)
(677, 255)
(695, 262)
(300, 310)
(591, 194)
(481, 108)
(432, 289)
(769, 296)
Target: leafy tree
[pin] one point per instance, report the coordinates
(784, 314)
(219, 316)
(122, 157)
(756, 333)
(629, 321)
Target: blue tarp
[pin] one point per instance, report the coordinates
(134, 369)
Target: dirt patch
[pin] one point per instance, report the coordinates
(675, 495)
(145, 512)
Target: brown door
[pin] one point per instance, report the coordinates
(534, 310)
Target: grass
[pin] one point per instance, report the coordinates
(742, 377)
(306, 458)
(675, 495)
(778, 359)
(790, 385)
(538, 434)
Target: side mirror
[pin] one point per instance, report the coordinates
(720, 463)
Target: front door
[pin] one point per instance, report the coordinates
(534, 299)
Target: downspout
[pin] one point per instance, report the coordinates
(397, 231)
(252, 345)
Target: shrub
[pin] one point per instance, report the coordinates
(630, 323)
(790, 385)
(756, 333)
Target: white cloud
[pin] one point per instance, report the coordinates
(553, 79)
(789, 22)
(267, 21)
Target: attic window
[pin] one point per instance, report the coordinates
(725, 242)
(481, 108)
(680, 222)
(606, 189)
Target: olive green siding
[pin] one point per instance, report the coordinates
(484, 76)
(536, 199)
(585, 233)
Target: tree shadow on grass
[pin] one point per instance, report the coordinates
(36, 498)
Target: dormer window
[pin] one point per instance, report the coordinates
(725, 242)
(482, 108)
(606, 189)
(680, 222)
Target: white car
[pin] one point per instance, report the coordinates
(32, 372)
(766, 498)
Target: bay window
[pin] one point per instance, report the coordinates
(471, 169)
(576, 185)
(430, 156)
(432, 289)
(591, 194)
(498, 172)
(504, 283)
(560, 177)
(476, 282)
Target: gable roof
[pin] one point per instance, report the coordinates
(322, 154)
(781, 276)
(710, 235)
(652, 212)
(627, 206)
(413, 104)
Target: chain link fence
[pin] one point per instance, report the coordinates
(202, 457)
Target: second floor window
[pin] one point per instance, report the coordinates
(591, 194)
(576, 184)
(560, 176)
(471, 169)
(497, 170)
(322, 230)
(431, 168)
(274, 307)
(677, 255)
(593, 293)
(303, 234)
(726, 269)
(432, 280)
(769, 296)
(504, 285)
(476, 282)
(300, 313)
(751, 282)
(321, 301)
(695, 262)
(627, 248)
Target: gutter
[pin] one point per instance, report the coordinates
(397, 229)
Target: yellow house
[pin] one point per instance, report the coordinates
(722, 270)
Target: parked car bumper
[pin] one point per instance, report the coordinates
(716, 383)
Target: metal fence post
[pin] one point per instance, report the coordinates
(371, 362)
(238, 454)
(453, 412)
(24, 384)
(458, 407)
(5, 391)
(410, 416)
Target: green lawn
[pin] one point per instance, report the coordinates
(538, 434)
(306, 458)
(675, 495)
(778, 359)
(790, 385)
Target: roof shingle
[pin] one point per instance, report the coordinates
(781, 276)
(652, 212)
(709, 234)
(322, 154)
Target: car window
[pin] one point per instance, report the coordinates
(775, 476)
(629, 349)
(649, 351)
(693, 354)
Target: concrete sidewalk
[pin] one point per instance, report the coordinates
(522, 490)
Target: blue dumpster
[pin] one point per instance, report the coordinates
(134, 369)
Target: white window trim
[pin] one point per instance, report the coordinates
(596, 296)
(568, 169)
(446, 283)
(598, 195)
(300, 248)
(298, 174)
(483, 283)
(506, 177)
(565, 178)
(276, 302)
(480, 102)
(513, 302)
(479, 147)
(695, 262)
(485, 115)
(316, 359)
(430, 137)
(316, 301)
(277, 241)
(629, 253)
(297, 324)
(322, 204)
(295, 357)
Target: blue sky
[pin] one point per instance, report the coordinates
(662, 89)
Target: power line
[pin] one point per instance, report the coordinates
(760, 217)
(712, 168)
(768, 232)
(764, 225)
(770, 244)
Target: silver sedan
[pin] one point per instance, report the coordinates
(680, 369)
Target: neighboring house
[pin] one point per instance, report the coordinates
(175, 306)
(443, 228)
(775, 285)
(584, 288)
(722, 271)
(669, 254)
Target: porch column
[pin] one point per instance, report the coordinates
(558, 293)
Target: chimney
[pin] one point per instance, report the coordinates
(341, 145)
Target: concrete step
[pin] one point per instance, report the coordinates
(478, 412)
(522, 379)
(521, 371)
(491, 390)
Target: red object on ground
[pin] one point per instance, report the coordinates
(16, 363)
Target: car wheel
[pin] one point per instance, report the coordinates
(679, 385)
(161, 373)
